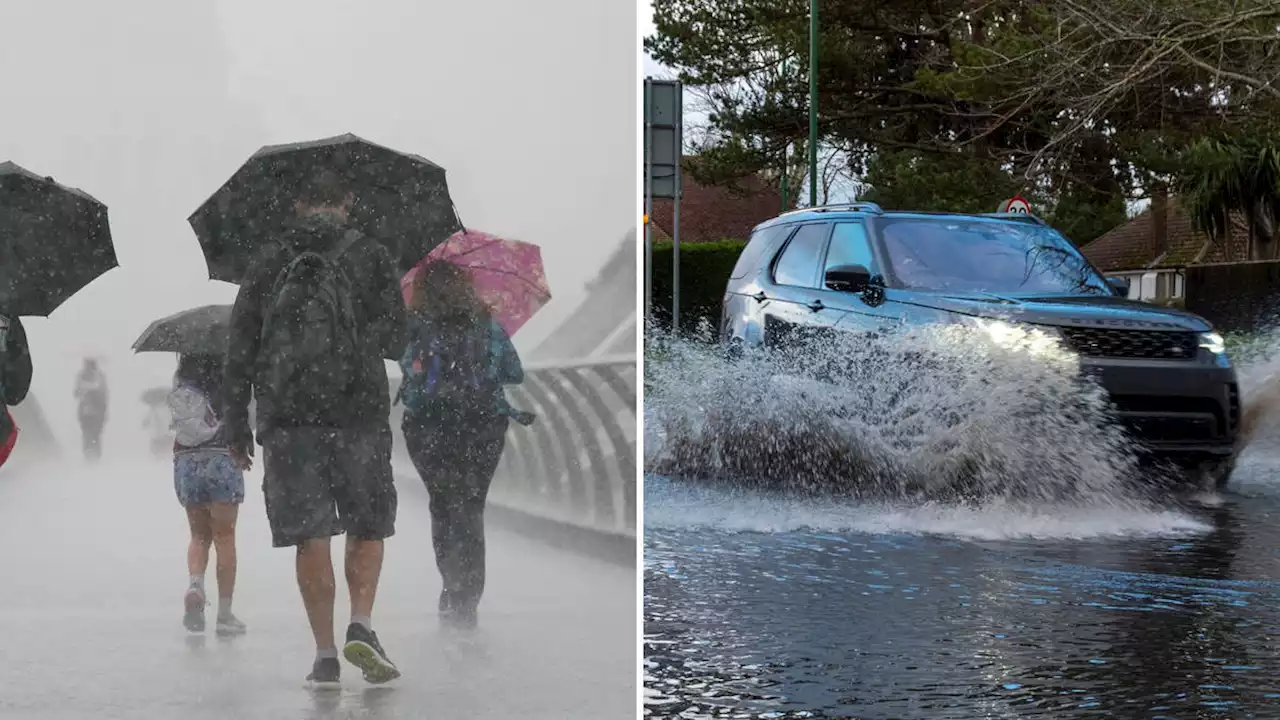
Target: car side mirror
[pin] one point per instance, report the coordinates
(848, 278)
(1119, 286)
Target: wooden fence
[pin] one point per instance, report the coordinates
(1235, 297)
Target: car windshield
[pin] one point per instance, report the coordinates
(959, 255)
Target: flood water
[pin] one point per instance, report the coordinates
(758, 604)
(1160, 616)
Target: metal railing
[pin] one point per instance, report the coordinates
(577, 463)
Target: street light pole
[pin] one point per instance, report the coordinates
(813, 103)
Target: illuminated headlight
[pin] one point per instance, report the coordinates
(1213, 342)
(1036, 339)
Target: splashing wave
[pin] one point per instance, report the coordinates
(936, 413)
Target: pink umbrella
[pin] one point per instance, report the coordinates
(508, 274)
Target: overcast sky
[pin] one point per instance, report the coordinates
(149, 105)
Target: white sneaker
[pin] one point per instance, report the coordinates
(229, 625)
(193, 602)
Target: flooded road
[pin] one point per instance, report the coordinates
(765, 607)
(93, 572)
(953, 527)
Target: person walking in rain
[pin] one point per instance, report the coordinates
(210, 486)
(455, 422)
(91, 395)
(316, 314)
(15, 378)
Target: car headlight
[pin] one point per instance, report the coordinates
(1213, 342)
(1036, 339)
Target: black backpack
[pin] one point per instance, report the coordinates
(309, 355)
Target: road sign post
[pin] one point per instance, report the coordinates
(664, 142)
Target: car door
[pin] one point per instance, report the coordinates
(851, 245)
(796, 305)
(741, 318)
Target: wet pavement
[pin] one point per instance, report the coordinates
(764, 607)
(92, 576)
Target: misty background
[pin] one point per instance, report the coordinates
(150, 105)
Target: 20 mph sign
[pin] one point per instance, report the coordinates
(1015, 205)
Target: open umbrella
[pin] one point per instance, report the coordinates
(54, 240)
(401, 200)
(201, 331)
(507, 274)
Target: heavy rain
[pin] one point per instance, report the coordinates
(283, 272)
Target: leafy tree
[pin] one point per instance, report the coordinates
(1079, 103)
(1235, 176)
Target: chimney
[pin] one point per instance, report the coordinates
(1159, 221)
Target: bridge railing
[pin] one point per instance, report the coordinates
(577, 463)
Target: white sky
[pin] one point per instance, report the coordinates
(149, 105)
(649, 66)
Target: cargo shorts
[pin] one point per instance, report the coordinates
(319, 482)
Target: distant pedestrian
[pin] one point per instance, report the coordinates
(15, 379)
(209, 484)
(316, 314)
(455, 422)
(92, 399)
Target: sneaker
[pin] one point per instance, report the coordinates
(365, 652)
(229, 625)
(325, 673)
(194, 603)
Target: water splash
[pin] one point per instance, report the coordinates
(678, 505)
(950, 414)
(1257, 361)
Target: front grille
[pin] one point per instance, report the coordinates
(1119, 343)
(1164, 417)
(1189, 428)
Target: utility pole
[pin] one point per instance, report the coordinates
(813, 103)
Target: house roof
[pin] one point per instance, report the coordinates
(712, 212)
(1130, 246)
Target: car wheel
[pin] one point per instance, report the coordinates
(735, 349)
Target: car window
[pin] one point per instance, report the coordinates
(761, 241)
(959, 254)
(798, 265)
(850, 246)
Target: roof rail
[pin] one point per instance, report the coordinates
(840, 207)
(1024, 217)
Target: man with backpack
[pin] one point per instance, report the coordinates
(316, 314)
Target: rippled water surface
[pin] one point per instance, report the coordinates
(1100, 602)
(1156, 615)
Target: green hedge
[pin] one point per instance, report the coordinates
(704, 271)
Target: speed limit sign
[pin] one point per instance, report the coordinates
(1015, 205)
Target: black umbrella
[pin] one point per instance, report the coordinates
(198, 331)
(402, 200)
(54, 240)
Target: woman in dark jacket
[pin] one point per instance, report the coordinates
(455, 422)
